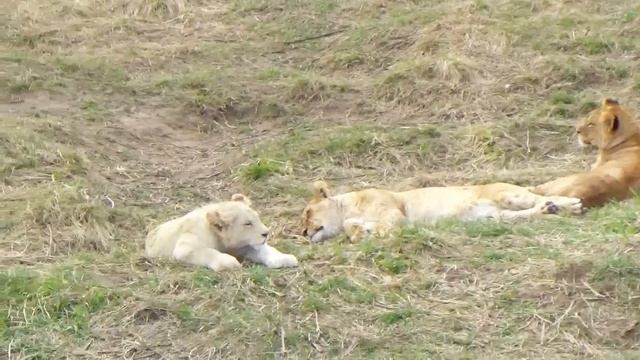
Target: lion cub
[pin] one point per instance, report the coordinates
(214, 235)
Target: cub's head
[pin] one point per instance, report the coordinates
(606, 126)
(236, 223)
(321, 218)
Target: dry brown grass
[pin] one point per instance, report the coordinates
(116, 115)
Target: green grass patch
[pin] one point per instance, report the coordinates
(205, 279)
(262, 168)
(476, 228)
(259, 275)
(396, 316)
(337, 287)
(93, 69)
(22, 150)
(61, 301)
(617, 267)
(307, 146)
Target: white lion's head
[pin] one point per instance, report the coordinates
(237, 224)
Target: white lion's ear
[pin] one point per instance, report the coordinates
(321, 190)
(241, 198)
(217, 220)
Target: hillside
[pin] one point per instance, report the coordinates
(116, 115)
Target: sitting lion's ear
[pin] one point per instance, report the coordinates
(610, 102)
(613, 123)
(217, 221)
(320, 190)
(241, 198)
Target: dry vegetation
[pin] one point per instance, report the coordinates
(115, 115)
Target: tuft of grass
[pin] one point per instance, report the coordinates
(22, 151)
(262, 168)
(396, 316)
(155, 8)
(410, 82)
(593, 45)
(496, 256)
(306, 88)
(103, 72)
(259, 275)
(617, 267)
(394, 266)
(204, 279)
(346, 59)
(80, 222)
(479, 228)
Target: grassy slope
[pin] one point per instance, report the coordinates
(158, 106)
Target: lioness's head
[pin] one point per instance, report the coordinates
(606, 126)
(321, 218)
(237, 224)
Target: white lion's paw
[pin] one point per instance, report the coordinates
(225, 262)
(284, 260)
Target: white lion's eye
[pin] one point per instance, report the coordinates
(248, 223)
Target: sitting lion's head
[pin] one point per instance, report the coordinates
(606, 126)
(321, 217)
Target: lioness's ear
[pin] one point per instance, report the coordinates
(217, 220)
(609, 102)
(320, 190)
(241, 198)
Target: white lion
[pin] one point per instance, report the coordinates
(215, 235)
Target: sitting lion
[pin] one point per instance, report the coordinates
(616, 171)
(376, 211)
(214, 235)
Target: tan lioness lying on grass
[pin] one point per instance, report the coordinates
(214, 235)
(616, 173)
(376, 211)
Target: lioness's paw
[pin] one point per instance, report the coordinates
(225, 262)
(284, 260)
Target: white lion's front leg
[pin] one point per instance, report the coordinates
(270, 257)
(189, 250)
